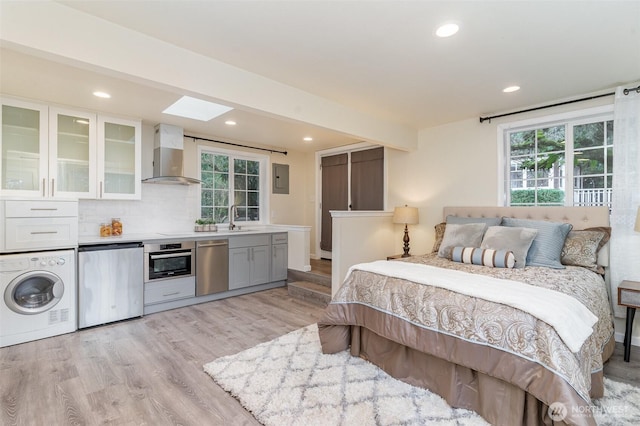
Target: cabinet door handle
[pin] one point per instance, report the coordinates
(171, 294)
(248, 255)
(100, 189)
(214, 244)
(43, 232)
(53, 186)
(44, 187)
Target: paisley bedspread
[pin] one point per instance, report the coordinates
(424, 308)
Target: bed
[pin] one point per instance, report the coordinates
(466, 332)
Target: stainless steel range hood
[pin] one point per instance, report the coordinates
(168, 163)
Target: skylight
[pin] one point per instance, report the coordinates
(196, 109)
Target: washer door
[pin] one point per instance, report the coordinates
(34, 292)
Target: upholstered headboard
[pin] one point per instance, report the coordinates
(579, 217)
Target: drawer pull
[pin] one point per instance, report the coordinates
(35, 209)
(43, 232)
(171, 294)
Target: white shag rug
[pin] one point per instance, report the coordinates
(289, 381)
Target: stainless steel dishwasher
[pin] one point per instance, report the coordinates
(110, 283)
(212, 267)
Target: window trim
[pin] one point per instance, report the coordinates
(577, 116)
(265, 178)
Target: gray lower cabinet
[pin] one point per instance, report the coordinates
(162, 291)
(249, 260)
(279, 256)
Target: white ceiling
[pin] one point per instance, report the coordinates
(379, 57)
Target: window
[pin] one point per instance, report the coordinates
(229, 179)
(538, 155)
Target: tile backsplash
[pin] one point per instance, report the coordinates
(163, 208)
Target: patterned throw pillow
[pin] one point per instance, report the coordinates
(439, 236)
(484, 257)
(581, 249)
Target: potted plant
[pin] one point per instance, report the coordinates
(211, 225)
(200, 225)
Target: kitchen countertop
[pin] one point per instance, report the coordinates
(174, 235)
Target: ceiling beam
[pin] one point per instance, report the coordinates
(76, 38)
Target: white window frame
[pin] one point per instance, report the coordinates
(601, 113)
(265, 178)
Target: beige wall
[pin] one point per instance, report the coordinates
(453, 165)
(291, 208)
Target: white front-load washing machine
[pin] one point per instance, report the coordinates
(38, 296)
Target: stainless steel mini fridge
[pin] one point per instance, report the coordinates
(110, 283)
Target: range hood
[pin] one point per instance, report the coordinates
(167, 157)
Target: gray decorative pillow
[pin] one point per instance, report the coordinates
(547, 246)
(490, 221)
(581, 249)
(516, 240)
(463, 235)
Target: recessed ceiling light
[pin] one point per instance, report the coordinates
(230, 123)
(511, 89)
(104, 95)
(447, 30)
(196, 109)
(307, 139)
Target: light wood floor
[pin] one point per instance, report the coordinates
(145, 371)
(148, 371)
(321, 266)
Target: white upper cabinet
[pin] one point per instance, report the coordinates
(72, 154)
(59, 153)
(119, 151)
(24, 149)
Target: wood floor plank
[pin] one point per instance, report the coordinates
(148, 371)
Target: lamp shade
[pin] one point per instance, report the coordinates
(406, 215)
(637, 227)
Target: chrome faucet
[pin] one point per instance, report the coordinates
(233, 213)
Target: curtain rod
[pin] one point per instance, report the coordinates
(625, 91)
(236, 144)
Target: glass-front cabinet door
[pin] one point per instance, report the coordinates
(72, 154)
(119, 150)
(23, 149)
(55, 152)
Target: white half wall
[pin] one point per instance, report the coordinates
(359, 236)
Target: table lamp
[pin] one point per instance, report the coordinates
(408, 216)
